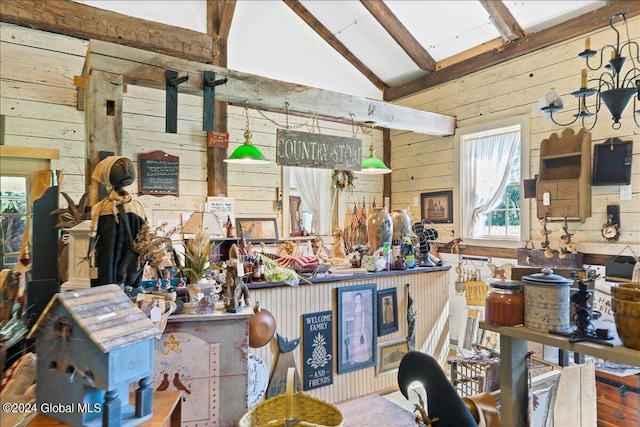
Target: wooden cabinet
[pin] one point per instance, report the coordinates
(564, 179)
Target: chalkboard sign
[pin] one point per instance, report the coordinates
(158, 174)
(612, 162)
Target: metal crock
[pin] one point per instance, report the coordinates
(546, 301)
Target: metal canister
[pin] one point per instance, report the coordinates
(546, 301)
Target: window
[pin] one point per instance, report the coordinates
(493, 161)
(13, 214)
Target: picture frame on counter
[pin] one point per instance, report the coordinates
(390, 353)
(357, 327)
(387, 303)
(258, 229)
(437, 206)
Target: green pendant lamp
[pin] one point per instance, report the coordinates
(247, 153)
(372, 165)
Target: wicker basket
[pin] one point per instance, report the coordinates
(276, 411)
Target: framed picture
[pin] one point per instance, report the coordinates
(387, 311)
(257, 228)
(357, 333)
(437, 207)
(391, 353)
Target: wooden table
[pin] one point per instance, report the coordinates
(167, 412)
(374, 410)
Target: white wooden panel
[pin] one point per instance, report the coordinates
(288, 304)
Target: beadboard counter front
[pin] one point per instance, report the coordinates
(428, 287)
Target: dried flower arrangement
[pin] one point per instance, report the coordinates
(199, 256)
(154, 246)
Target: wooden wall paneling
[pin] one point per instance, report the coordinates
(487, 95)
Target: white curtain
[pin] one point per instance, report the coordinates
(490, 159)
(314, 189)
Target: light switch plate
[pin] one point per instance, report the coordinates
(625, 192)
(415, 201)
(546, 199)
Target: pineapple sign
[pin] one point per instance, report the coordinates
(318, 350)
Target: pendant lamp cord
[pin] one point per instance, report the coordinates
(286, 113)
(246, 115)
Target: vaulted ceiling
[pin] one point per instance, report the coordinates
(368, 48)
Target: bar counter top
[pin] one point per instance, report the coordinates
(347, 274)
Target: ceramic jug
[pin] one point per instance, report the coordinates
(379, 228)
(401, 224)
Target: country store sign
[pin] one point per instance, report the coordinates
(313, 150)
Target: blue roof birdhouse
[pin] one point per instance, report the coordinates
(91, 345)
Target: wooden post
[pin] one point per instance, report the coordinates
(103, 116)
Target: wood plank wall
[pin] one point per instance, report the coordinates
(509, 90)
(430, 292)
(39, 110)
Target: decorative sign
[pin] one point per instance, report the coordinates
(222, 207)
(218, 139)
(313, 150)
(318, 349)
(158, 174)
(475, 292)
(258, 374)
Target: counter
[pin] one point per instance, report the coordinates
(206, 355)
(429, 288)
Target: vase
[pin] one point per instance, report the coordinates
(379, 228)
(401, 224)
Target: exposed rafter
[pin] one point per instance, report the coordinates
(503, 20)
(400, 34)
(333, 41)
(583, 24)
(224, 14)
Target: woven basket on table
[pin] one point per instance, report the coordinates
(310, 411)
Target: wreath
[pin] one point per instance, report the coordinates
(343, 180)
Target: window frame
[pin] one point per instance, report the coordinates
(525, 204)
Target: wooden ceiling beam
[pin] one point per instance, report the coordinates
(219, 18)
(223, 15)
(87, 22)
(503, 20)
(400, 34)
(333, 41)
(575, 27)
(148, 69)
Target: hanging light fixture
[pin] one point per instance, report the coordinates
(372, 165)
(247, 153)
(615, 87)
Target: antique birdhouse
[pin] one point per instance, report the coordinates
(91, 345)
